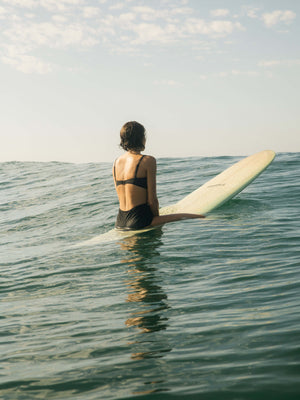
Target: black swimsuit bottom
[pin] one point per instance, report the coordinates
(137, 218)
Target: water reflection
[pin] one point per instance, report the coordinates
(149, 300)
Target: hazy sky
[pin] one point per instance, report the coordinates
(205, 77)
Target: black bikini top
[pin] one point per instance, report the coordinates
(142, 182)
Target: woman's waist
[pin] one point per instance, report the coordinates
(133, 207)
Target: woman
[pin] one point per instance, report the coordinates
(135, 181)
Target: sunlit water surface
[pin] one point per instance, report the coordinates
(200, 309)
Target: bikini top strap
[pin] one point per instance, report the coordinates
(137, 167)
(115, 170)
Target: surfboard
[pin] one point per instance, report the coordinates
(207, 197)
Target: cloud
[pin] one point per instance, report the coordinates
(213, 28)
(245, 73)
(236, 72)
(127, 28)
(2, 11)
(182, 11)
(274, 63)
(148, 13)
(277, 16)
(60, 18)
(90, 12)
(167, 82)
(144, 25)
(30, 15)
(118, 6)
(147, 32)
(51, 34)
(269, 63)
(15, 57)
(221, 12)
(21, 3)
(61, 5)
(251, 12)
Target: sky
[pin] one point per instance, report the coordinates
(205, 77)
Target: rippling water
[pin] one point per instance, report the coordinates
(199, 309)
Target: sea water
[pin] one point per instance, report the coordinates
(199, 309)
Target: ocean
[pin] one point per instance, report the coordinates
(197, 309)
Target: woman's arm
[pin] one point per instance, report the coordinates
(153, 202)
(151, 181)
(113, 174)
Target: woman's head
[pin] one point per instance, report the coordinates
(132, 136)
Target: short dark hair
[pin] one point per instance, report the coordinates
(132, 136)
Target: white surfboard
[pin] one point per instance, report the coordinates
(208, 196)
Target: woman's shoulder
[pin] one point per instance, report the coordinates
(120, 159)
(149, 163)
(149, 159)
